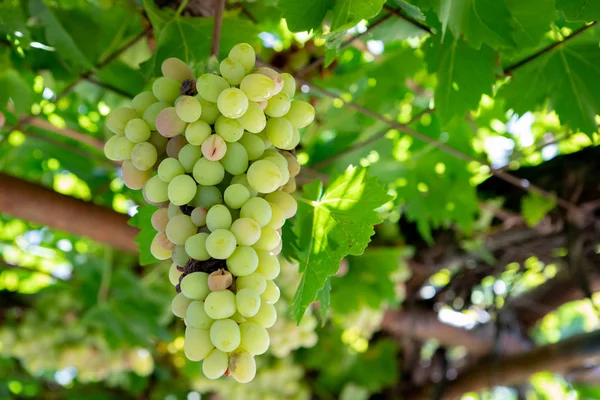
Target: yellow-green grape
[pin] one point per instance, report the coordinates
(236, 196)
(242, 366)
(255, 146)
(180, 228)
(254, 338)
(271, 293)
(235, 160)
(229, 129)
(174, 146)
(208, 196)
(225, 334)
(166, 89)
(257, 209)
(118, 118)
(278, 105)
(197, 132)
(220, 244)
(210, 86)
(188, 156)
(220, 304)
(300, 114)
(169, 168)
(176, 69)
(168, 123)
(254, 119)
(197, 344)
(157, 251)
(210, 111)
(133, 177)
(244, 54)
(195, 246)
(232, 103)
(257, 87)
(264, 176)
(295, 141)
(142, 101)
(180, 305)
(188, 108)
(152, 112)
(268, 265)
(137, 130)
(174, 274)
(246, 231)
(214, 148)
(280, 132)
(278, 217)
(156, 190)
(159, 219)
(208, 173)
(218, 217)
(144, 156)
(269, 239)
(243, 261)
(158, 141)
(289, 85)
(180, 256)
(195, 286)
(232, 70)
(293, 164)
(109, 148)
(284, 201)
(266, 315)
(173, 210)
(215, 364)
(198, 216)
(255, 282)
(247, 302)
(196, 316)
(274, 75)
(123, 148)
(242, 179)
(182, 190)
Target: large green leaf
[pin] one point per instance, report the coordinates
(530, 20)
(12, 20)
(348, 13)
(331, 224)
(579, 10)
(304, 15)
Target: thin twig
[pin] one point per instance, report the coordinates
(181, 7)
(536, 149)
(216, 36)
(416, 23)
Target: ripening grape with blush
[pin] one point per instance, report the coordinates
(213, 152)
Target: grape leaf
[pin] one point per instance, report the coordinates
(324, 299)
(534, 207)
(531, 20)
(141, 220)
(332, 223)
(410, 10)
(13, 86)
(12, 19)
(158, 17)
(304, 15)
(348, 13)
(579, 10)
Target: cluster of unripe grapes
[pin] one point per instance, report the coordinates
(213, 154)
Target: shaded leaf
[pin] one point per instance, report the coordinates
(348, 13)
(579, 10)
(534, 207)
(304, 15)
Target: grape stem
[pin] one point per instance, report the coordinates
(216, 36)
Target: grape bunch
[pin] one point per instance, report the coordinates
(214, 155)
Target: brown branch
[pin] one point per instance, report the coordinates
(66, 132)
(216, 36)
(35, 203)
(416, 23)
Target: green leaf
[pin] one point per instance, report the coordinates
(324, 299)
(122, 76)
(377, 367)
(464, 74)
(158, 17)
(531, 20)
(579, 10)
(12, 86)
(304, 15)
(410, 10)
(332, 223)
(534, 207)
(142, 221)
(12, 19)
(348, 13)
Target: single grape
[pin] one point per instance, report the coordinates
(197, 344)
(208, 173)
(214, 148)
(246, 231)
(144, 156)
(189, 156)
(290, 186)
(174, 274)
(237, 317)
(232, 70)
(232, 103)
(197, 132)
(168, 123)
(176, 69)
(173, 210)
(118, 119)
(254, 145)
(169, 168)
(180, 228)
(220, 244)
(242, 179)
(195, 246)
(142, 101)
(210, 86)
(258, 209)
(295, 141)
(244, 54)
(254, 338)
(195, 286)
(218, 217)
(152, 112)
(264, 176)
(242, 366)
(123, 148)
(109, 148)
(215, 364)
(188, 108)
(210, 111)
(266, 315)
(274, 75)
(284, 201)
(278, 105)
(137, 130)
(254, 281)
(164, 242)
(243, 261)
(156, 190)
(268, 265)
(277, 218)
(269, 239)
(220, 304)
(182, 190)
(263, 136)
(289, 85)
(180, 304)
(220, 279)
(236, 159)
(174, 146)
(159, 142)
(198, 216)
(280, 132)
(166, 89)
(257, 87)
(300, 114)
(159, 219)
(247, 302)
(208, 196)
(225, 334)
(133, 177)
(196, 316)
(236, 196)
(271, 293)
(229, 129)
(180, 256)
(158, 252)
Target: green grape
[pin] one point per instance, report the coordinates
(232, 70)
(275, 77)
(195, 246)
(281, 163)
(269, 239)
(289, 85)
(214, 148)
(244, 54)
(173, 210)
(268, 265)
(257, 87)
(295, 140)
(182, 190)
(271, 293)
(158, 252)
(174, 274)
(180, 256)
(220, 244)
(109, 148)
(215, 364)
(169, 168)
(218, 217)
(236, 195)
(180, 304)
(254, 145)
(143, 156)
(254, 119)
(174, 146)
(188, 108)
(176, 69)
(266, 315)
(242, 179)
(247, 302)
(242, 366)
(156, 190)
(208, 196)
(210, 111)
(197, 132)
(208, 173)
(189, 156)
(197, 344)
(236, 159)
(220, 304)
(278, 105)
(243, 261)
(229, 129)
(293, 164)
(168, 123)
(166, 89)
(137, 130)
(123, 148)
(196, 316)
(225, 334)
(254, 338)
(255, 282)
(210, 86)
(152, 112)
(280, 132)
(232, 103)
(180, 228)
(246, 231)
(133, 177)
(284, 201)
(264, 176)
(278, 217)
(263, 136)
(158, 141)
(195, 286)
(258, 209)
(300, 114)
(142, 101)
(159, 219)
(118, 119)
(198, 216)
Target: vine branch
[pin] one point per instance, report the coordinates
(416, 23)
(216, 36)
